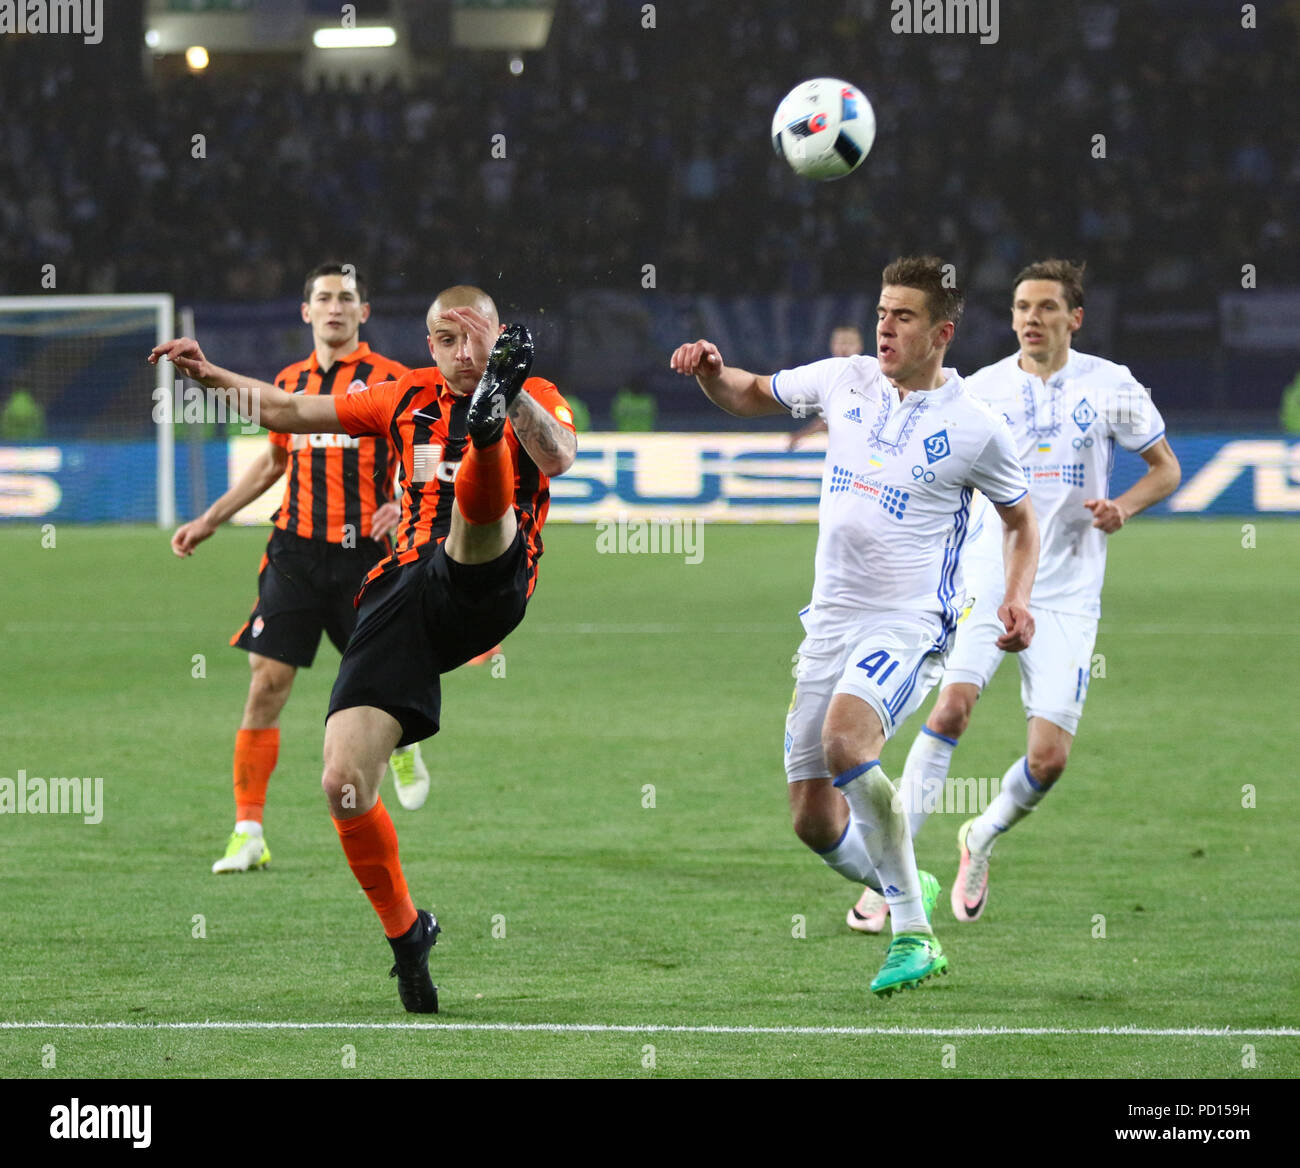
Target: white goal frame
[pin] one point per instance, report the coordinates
(164, 307)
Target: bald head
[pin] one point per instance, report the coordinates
(462, 296)
(460, 357)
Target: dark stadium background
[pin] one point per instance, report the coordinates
(629, 146)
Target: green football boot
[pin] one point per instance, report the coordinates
(912, 959)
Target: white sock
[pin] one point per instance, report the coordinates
(924, 775)
(248, 826)
(878, 817)
(849, 858)
(1018, 796)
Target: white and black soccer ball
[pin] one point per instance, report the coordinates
(824, 128)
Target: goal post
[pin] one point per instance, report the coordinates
(78, 363)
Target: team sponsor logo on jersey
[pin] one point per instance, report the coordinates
(258, 625)
(1084, 415)
(424, 461)
(936, 446)
(357, 386)
(1070, 473)
(892, 499)
(854, 415)
(324, 442)
(427, 464)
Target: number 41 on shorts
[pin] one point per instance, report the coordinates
(872, 663)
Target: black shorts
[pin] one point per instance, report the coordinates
(305, 587)
(423, 620)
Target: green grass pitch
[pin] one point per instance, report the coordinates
(607, 842)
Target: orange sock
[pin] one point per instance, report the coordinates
(255, 755)
(370, 844)
(485, 482)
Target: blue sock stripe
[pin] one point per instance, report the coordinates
(851, 774)
(1030, 778)
(940, 737)
(836, 844)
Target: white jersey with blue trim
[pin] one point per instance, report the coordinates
(897, 487)
(1065, 429)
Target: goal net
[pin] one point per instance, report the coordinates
(78, 436)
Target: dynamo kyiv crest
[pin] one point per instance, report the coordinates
(936, 446)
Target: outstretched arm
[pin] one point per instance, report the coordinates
(739, 392)
(1020, 556)
(258, 401)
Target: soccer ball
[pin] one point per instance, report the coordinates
(824, 128)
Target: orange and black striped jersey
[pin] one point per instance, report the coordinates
(426, 422)
(334, 482)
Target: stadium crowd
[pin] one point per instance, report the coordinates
(627, 146)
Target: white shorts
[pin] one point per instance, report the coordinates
(1054, 670)
(889, 661)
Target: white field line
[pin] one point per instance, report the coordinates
(650, 1028)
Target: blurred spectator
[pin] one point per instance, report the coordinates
(632, 411)
(22, 418)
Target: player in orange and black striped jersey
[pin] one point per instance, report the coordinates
(478, 442)
(426, 417)
(331, 528)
